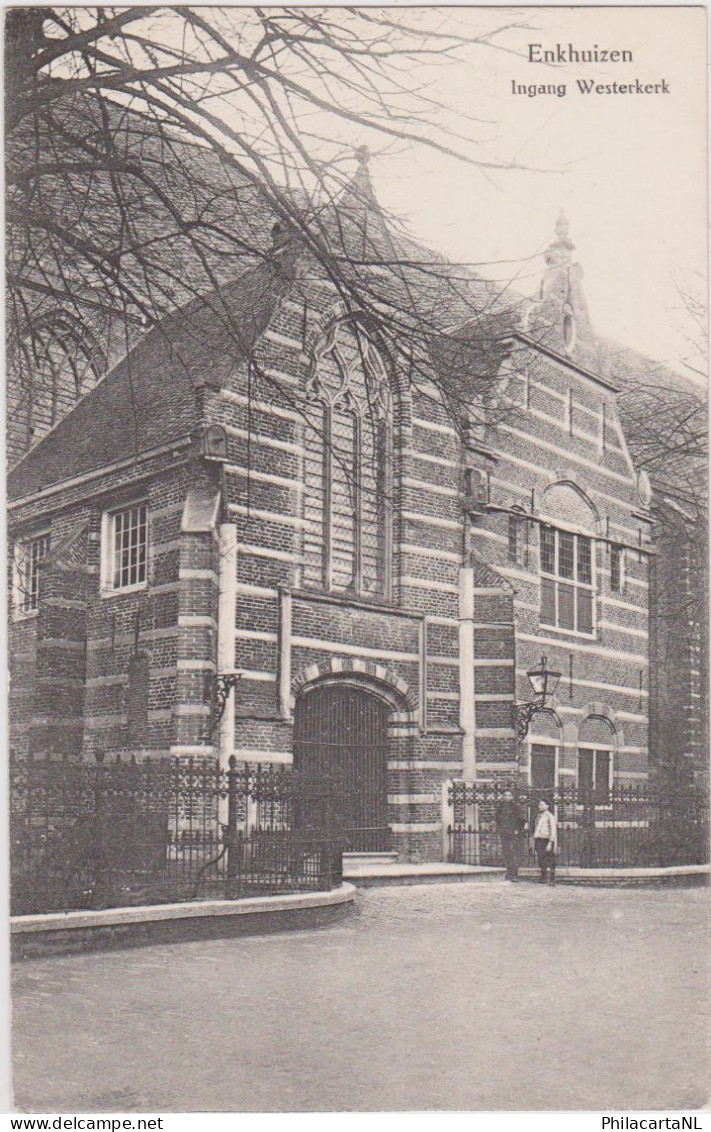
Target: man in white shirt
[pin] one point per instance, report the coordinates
(545, 836)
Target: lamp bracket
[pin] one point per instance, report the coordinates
(224, 683)
(523, 715)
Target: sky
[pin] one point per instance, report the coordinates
(628, 169)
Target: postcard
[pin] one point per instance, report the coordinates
(358, 561)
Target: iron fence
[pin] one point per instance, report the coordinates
(632, 826)
(124, 832)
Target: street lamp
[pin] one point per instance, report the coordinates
(544, 681)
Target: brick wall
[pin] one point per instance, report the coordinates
(560, 427)
(134, 671)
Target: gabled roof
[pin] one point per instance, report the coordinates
(148, 400)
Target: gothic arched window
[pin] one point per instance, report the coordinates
(57, 365)
(347, 467)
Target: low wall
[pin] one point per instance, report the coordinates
(62, 933)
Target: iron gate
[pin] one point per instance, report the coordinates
(340, 734)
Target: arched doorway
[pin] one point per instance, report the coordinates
(340, 733)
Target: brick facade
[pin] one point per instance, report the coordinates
(446, 644)
(679, 704)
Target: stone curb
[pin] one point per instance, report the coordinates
(61, 933)
(421, 874)
(632, 874)
(443, 873)
(151, 913)
(674, 874)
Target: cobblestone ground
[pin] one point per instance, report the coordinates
(463, 996)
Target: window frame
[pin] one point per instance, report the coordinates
(21, 561)
(617, 551)
(517, 534)
(573, 582)
(384, 439)
(595, 751)
(543, 741)
(108, 549)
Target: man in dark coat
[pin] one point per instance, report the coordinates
(510, 824)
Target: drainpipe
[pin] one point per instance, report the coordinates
(467, 719)
(226, 624)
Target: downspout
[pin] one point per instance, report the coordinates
(226, 626)
(467, 717)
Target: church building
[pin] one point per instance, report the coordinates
(291, 552)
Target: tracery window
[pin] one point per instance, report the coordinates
(57, 365)
(348, 467)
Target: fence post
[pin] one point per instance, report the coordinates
(231, 831)
(447, 815)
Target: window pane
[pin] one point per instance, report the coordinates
(584, 560)
(373, 493)
(542, 767)
(384, 512)
(585, 602)
(130, 547)
(602, 775)
(29, 558)
(515, 540)
(547, 550)
(615, 563)
(345, 499)
(585, 770)
(566, 548)
(316, 472)
(547, 601)
(566, 606)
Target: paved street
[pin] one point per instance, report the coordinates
(460, 996)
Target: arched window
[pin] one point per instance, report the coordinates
(596, 747)
(57, 365)
(544, 749)
(347, 467)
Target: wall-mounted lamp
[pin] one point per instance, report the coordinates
(544, 681)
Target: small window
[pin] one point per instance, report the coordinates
(517, 540)
(616, 566)
(569, 331)
(548, 550)
(28, 557)
(125, 548)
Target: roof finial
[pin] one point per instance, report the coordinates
(562, 227)
(362, 156)
(558, 251)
